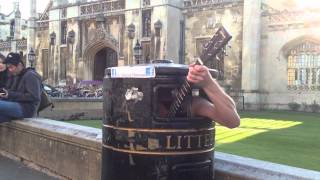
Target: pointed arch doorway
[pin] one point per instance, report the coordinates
(103, 59)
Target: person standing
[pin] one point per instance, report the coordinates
(21, 98)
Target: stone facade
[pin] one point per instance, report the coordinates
(13, 32)
(202, 22)
(100, 37)
(282, 32)
(76, 40)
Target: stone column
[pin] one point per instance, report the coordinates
(32, 28)
(251, 52)
(13, 46)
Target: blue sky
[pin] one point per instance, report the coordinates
(7, 6)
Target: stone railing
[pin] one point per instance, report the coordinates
(22, 44)
(74, 108)
(195, 3)
(101, 7)
(71, 151)
(5, 45)
(65, 150)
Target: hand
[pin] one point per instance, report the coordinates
(3, 93)
(199, 75)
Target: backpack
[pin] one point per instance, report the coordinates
(45, 100)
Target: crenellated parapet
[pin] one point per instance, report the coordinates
(5, 45)
(282, 20)
(102, 7)
(22, 44)
(187, 4)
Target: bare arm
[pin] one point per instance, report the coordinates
(223, 109)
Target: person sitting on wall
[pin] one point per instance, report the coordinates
(21, 98)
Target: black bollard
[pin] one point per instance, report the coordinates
(140, 141)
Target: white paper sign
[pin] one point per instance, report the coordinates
(133, 72)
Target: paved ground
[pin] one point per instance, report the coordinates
(12, 170)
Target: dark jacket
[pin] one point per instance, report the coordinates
(3, 78)
(25, 89)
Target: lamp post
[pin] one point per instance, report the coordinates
(137, 52)
(31, 57)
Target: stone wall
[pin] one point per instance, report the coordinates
(68, 151)
(202, 22)
(281, 32)
(73, 109)
(74, 152)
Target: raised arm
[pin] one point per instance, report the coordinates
(222, 109)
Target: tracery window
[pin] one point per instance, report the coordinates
(304, 67)
(146, 27)
(64, 28)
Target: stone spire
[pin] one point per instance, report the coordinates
(17, 19)
(17, 13)
(32, 26)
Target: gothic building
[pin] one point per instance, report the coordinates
(273, 58)
(13, 32)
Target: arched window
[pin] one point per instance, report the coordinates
(304, 66)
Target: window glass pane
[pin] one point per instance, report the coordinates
(291, 76)
(290, 61)
(318, 76)
(314, 76)
(307, 81)
(304, 65)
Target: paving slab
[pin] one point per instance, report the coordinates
(13, 170)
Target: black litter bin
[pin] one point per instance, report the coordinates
(140, 142)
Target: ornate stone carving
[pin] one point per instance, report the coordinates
(281, 20)
(197, 3)
(101, 7)
(43, 23)
(102, 35)
(22, 44)
(5, 45)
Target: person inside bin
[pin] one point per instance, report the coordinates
(221, 108)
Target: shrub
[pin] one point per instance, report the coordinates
(294, 106)
(248, 105)
(314, 107)
(305, 107)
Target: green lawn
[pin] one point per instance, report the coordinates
(291, 138)
(90, 123)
